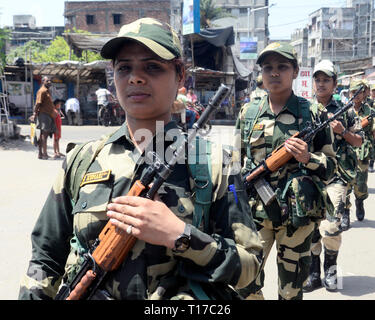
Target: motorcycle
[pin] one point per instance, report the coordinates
(111, 114)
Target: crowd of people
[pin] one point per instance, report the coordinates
(206, 234)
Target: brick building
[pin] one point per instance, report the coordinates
(108, 16)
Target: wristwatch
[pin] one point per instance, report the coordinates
(182, 243)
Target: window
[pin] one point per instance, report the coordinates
(117, 19)
(89, 19)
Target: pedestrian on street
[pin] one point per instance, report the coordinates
(364, 154)
(73, 111)
(175, 250)
(45, 113)
(57, 134)
(348, 133)
(299, 185)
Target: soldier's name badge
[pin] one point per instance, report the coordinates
(259, 127)
(95, 177)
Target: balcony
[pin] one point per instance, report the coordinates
(337, 34)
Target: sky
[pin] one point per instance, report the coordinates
(285, 16)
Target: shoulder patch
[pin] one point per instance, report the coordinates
(95, 177)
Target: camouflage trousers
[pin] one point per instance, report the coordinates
(359, 184)
(293, 259)
(328, 231)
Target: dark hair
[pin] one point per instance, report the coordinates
(57, 101)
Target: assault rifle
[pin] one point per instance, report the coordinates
(112, 246)
(280, 156)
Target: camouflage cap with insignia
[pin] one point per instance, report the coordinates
(158, 36)
(355, 84)
(284, 49)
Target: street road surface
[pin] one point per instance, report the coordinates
(26, 182)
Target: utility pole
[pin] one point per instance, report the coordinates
(370, 32)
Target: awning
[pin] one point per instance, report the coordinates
(81, 42)
(88, 72)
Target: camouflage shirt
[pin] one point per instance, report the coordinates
(294, 183)
(345, 154)
(229, 254)
(366, 150)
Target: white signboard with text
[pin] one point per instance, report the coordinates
(302, 86)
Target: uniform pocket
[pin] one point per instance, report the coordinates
(305, 200)
(258, 150)
(90, 211)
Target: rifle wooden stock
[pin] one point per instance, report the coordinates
(115, 244)
(278, 158)
(112, 250)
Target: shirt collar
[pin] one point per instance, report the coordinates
(291, 105)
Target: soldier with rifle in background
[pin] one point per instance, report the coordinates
(290, 198)
(347, 134)
(181, 226)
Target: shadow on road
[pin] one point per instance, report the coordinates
(357, 286)
(363, 224)
(22, 143)
(371, 190)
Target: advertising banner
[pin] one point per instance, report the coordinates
(191, 17)
(248, 48)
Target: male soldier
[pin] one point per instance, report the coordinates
(46, 113)
(347, 132)
(364, 154)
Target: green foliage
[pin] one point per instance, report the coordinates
(209, 12)
(57, 51)
(4, 36)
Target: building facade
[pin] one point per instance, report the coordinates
(24, 29)
(107, 17)
(338, 34)
(299, 40)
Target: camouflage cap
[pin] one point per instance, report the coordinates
(355, 84)
(158, 36)
(284, 49)
(327, 67)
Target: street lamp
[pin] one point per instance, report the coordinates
(249, 10)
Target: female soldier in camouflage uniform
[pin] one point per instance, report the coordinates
(300, 194)
(148, 72)
(347, 132)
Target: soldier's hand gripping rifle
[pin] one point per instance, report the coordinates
(255, 179)
(112, 246)
(366, 120)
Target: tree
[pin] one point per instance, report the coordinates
(4, 36)
(57, 51)
(209, 12)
